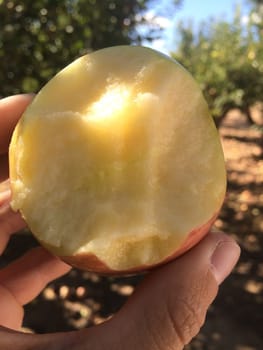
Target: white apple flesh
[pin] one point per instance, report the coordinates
(116, 165)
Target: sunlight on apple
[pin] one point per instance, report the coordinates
(111, 103)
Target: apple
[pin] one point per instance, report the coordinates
(116, 165)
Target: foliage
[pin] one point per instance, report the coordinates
(226, 59)
(38, 38)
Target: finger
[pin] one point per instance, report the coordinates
(26, 277)
(12, 312)
(13, 340)
(10, 221)
(169, 308)
(11, 109)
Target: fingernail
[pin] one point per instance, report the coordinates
(224, 258)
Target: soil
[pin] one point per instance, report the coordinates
(235, 319)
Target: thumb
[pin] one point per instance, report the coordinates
(170, 306)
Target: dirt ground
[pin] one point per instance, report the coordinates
(235, 320)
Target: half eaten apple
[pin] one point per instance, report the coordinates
(116, 165)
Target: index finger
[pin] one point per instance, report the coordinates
(11, 109)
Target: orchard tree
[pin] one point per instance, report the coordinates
(38, 38)
(226, 59)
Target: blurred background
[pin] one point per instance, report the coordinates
(221, 44)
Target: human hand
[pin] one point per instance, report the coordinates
(165, 312)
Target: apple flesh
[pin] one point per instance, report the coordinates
(116, 165)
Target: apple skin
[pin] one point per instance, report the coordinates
(90, 262)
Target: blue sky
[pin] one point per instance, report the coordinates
(196, 11)
(200, 10)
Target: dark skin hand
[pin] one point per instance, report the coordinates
(165, 312)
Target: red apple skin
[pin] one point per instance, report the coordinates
(90, 262)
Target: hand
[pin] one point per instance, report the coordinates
(165, 312)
